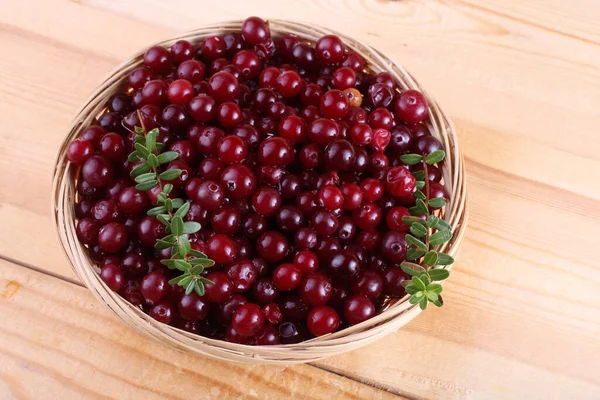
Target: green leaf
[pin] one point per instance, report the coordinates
(185, 281)
(203, 262)
(412, 268)
(414, 254)
(190, 287)
(431, 296)
(411, 289)
(169, 204)
(425, 279)
(419, 195)
(418, 229)
(184, 246)
(182, 265)
(420, 184)
(440, 237)
(435, 288)
(167, 157)
(133, 157)
(430, 258)
(198, 254)
(146, 185)
(444, 259)
(177, 226)
(153, 160)
(206, 281)
(167, 188)
(196, 269)
(442, 225)
(415, 242)
(151, 139)
(165, 219)
(438, 274)
(417, 297)
(139, 139)
(162, 244)
(435, 157)
(170, 174)
(431, 221)
(423, 303)
(439, 302)
(199, 288)
(147, 177)
(177, 203)
(418, 283)
(160, 146)
(191, 227)
(419, 175)
(161, 198)
(138, 129)
(176, 280)
(409, 220)
(139, 170)
(142, 150)
(419, 208)
(411, 159)
(153, 212)
(437, 202)
(169, 262)
(182, 210)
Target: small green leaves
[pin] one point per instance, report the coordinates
(419, 195)
(191, 227)
(435, 287)
(138, 129)
(147, 177)
(411, 240)
(438, 274)
(177, 226)
(430, 258)
(167, 188)
(420, 184)
(437, 202)
(411, 159)
(418, 229)
(435, 157)
(442, 225)
(152, 161)
(142, 151)
(419, 175)
(167, 157)
(414, 254)
(182, 210)
(418, 283)
(170, 174)
(412, 268)
(184, 246)
(146, 185)
(139, 170)
(151, 139)
(409, 220)
(444, 259)
(440, 237)
(420, 208)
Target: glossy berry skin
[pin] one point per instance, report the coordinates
(192, 307)
(226, 220)
(367, 216)
(228, 308)
(221, 289)
(267, 335)
(212, 48)
(180, 92)
(154, 287)
(367, 283)
(112, 237)
(113, 277)
(223, 86)
(238, 181)
(105, 211)
(80, 150)
(292, 128)
(427, 144)
(202, 108)
(132, 201)
(343, 264)
(358, 309)
(372, 189)
(231, 149)
(315, 289)
(334, 104)
(272, 313)
(393, 219)
(305, 238)
(158, 59)
(242, 273)
(323, 131)
(275, 151)
(330, 49)
(400, 182)
(306, 261)
(163, 311)
(411, 106)
(248, 63)
(344, 78)
(222, 249)
(266, 201)
(229, 115)
(288, 84)
(394, 246)
(248, 319)
(353, 196)
(286, 277)
(264, 290)
(255, 30)
(331, 197)
(393, 278)
(325, 223)
(289, 218)
(340, 156)
(322, 320)
(97, 171)
(272, 246)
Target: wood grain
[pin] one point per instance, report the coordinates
(521, 81)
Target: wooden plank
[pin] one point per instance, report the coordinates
(57, 341)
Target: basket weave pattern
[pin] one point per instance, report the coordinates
(396, 312)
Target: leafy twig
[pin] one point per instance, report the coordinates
(170, 212)
(426, 231)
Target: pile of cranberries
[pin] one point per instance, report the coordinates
(290, 158)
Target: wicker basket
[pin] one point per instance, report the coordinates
(395, 313)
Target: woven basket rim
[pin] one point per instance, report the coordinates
(396, 314)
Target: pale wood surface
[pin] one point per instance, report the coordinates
(521, 80)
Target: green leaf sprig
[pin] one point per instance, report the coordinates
(425, 234)
(148, 174)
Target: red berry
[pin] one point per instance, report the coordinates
(322, 320)
(286, 277)
(247, 319)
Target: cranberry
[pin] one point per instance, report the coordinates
(393, 219)
(221, 249)
(83, 208)
(275, 151)
(232, 336)
(238, 181)
(305, 238)
(113, 277)
(247, 319)
(180, 92)
(255, 30)
(400, 182)
(334, 104)
(369, 240)
(394, 246)
(154, 287)
(97, 171)
(324, 223)
(267, 335)
(80, 150)
(367, 215)
(221, 289)
(112, 237)
(343, 264)
(226, 220)
(272, 313)
(288, 84)
(393, 278)
(293, 309)
(330, 49)
(150, 230)
(292, 128)
(228, 308)
(264, 290)
(341, 292)
(433, 173)
(290, 186)
(340, 155)
(323, 131)
(163, 311)
(268, 76)
(427, 145)
(380, 95)
(436, 190)
(346, 229)
(272, 246)
(253, 225)
(133, 265)
(266, 201)
(158, 58)
(322, 320)
(372, 189)
(358, 309)
(138, 77)
(367, 283)
(315, 289)
(411, 106)
(326, 246)
(223, 86)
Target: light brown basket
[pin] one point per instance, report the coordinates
(394, 315)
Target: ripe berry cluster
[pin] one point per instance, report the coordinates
(289, 155)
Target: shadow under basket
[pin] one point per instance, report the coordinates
(395, 313)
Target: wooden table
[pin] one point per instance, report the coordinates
(521, 80)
